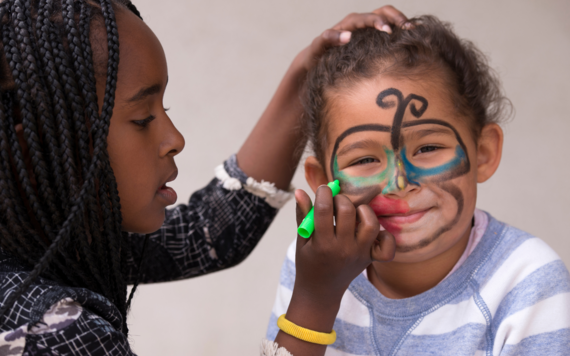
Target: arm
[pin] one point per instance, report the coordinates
(217, 229)
(328, 262)
(271, 153)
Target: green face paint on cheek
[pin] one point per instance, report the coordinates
(363, 182)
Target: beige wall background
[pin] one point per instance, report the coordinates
(225, 60)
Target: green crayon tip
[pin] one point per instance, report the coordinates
(308, 224)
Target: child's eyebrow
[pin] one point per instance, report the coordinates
(144, 92)
(367, 143)
(417, 134)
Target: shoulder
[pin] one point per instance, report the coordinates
(522, 276)
(514, 255)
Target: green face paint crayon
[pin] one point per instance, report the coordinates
(308, 224)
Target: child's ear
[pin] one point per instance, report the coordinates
(489, 151)
(314, 173)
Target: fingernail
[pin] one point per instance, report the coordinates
(382, 228)
(386, 29)
(407, 25)
(345, 37)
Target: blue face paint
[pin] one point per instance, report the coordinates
(416, 174)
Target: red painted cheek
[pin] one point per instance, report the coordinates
(386, 206)
(383, 206)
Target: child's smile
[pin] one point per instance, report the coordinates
(400, 148)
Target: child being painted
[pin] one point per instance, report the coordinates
(408, 123)
(87, 150)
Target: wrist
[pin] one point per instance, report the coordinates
(317, 314)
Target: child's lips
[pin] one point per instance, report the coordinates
(401, 219)
(394, 213)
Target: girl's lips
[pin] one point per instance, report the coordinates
(386, 206)
(393, 223)
(168, 194)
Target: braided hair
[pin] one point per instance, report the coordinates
(59, 204)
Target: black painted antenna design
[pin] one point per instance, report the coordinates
(400, 110)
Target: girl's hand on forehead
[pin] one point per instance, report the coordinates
(383, 19)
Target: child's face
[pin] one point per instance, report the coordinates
(399, 146)
(142, 140)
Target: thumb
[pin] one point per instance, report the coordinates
(384, 248)
(303, 205)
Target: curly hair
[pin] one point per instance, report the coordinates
(59, 204)
(430, 49)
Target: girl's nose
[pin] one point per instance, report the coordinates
(173, 142)
(398, 183)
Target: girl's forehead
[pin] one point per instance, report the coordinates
(390, 102)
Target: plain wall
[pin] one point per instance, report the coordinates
(225, 60)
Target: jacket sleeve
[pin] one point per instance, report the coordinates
(217, 229)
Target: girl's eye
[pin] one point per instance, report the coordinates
(145, 122)
(366, 160)
(427, 149)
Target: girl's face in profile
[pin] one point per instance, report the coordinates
(399, 146)
(142, 140)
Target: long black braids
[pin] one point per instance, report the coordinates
(59, 204)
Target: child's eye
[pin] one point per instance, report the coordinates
(366, 160)
(145, 122)
(427, 149)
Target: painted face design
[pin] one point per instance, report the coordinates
(400, 168)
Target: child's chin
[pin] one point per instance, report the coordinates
(408, 242)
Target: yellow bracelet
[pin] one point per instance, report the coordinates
(307, 335)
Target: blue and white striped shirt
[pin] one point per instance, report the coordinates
(511, 296)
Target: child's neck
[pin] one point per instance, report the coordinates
(396, 280)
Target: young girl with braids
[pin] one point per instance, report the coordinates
(87, 150)
(408, 124)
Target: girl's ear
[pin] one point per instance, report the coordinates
(489, 151)
(314, 173)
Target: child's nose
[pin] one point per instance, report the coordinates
(398, 183)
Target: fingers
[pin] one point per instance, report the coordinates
(302, 209)
(384, 248)
(355, 21)
(327, 39)
(303, 205)
(345, 217)
(392, 15)
(368, 227)
(381, 19)
(324, 210)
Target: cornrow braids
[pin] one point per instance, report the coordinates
(59, 204)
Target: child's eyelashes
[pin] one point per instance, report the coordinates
(366, 160)
(427, 149)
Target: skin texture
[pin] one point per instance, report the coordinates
(427, 196)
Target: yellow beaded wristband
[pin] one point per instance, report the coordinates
(307, 335)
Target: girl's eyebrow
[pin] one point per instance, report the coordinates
(417, 134)
(367, 143)
(144, 92)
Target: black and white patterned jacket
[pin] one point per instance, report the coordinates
(217, 229)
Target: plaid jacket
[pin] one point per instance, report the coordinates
(217, 229)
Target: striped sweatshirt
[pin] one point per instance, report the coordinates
(510, 296)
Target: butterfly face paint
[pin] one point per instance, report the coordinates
(378, 164)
